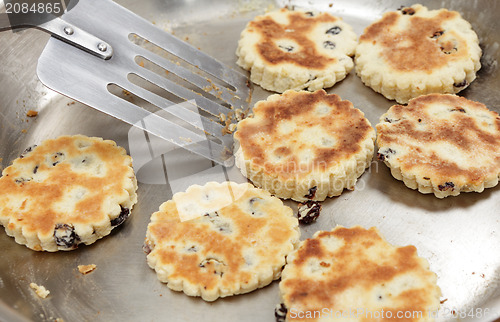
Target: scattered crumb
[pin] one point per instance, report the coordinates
(228, 120)
(188, 140)
(442, 301)
(222, 117)
(482, 275)
(330, 5)
(85, 269)
(24, 131)
(128, 95)
(71, 103)
(40, 290)
(239, 114)
(141, 63)
(31, 113)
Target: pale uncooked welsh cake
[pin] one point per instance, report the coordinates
(296, 50)
(303, 145)
(354, 274)
(67, 191)
(415, 51)
(236, 241)
(441, 144)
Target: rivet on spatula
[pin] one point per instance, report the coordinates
(68, 30)
(102, 47)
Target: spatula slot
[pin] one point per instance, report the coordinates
(174, 99)
(186, 116)
(172, 83)
(149, 86)
(216, 83)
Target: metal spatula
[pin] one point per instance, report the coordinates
(108, 47)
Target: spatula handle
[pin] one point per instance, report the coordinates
(66, 32)
(77, 37)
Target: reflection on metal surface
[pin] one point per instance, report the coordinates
(460, 236)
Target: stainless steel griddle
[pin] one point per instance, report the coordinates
(460, 236)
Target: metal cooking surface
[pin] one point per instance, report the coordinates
(460, 236)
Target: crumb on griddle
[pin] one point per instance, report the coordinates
(31, 113)
(85, 269)
(40, 290)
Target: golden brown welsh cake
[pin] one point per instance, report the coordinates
(67, 191)
(415, 51)
(303, 145)
(353, 274)
(220, 239)
(441, 144)
(297, 50)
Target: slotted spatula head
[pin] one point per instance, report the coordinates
(154, 66)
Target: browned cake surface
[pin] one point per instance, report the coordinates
(296, 50)
(354, 268)
(234, 248)
(76, 183)
(421, 46)
(282, 130)
(415, 51)
(301, 23)
(443, 139)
